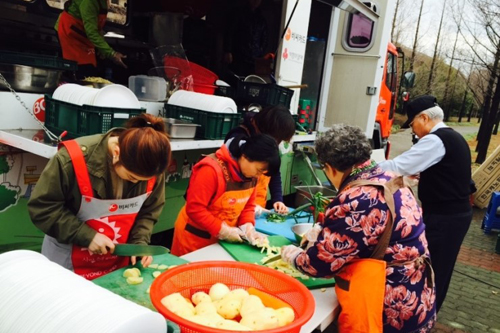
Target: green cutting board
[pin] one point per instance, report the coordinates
(251, 254)
(137, 293)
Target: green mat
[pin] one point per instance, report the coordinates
(137, 293)
(251, 254)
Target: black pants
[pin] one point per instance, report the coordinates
(445, 234)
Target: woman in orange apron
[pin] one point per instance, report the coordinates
(79, 30)
(220, 199)
(102, 190)
(372, 241)
(277, 122)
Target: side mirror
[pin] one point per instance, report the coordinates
(409, 80)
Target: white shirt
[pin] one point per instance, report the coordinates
(428, 151)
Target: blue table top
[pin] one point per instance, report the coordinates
(283, 228)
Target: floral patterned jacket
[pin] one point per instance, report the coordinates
(354, 222)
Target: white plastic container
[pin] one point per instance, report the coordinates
(148, 88)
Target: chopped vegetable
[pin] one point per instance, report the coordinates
(162, 267)
(156, 274)
(276, 218)
(153, 266)
(131, 272)
(134, 280)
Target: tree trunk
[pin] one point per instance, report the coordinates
(446, 103)
(470, 112)
(415, 42)
(482, 146)
(483, 133)
(495, 129)
(394, 20)
(433, 63)
(462, 108)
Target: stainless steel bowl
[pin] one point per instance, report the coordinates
(300, 229)
(30, 79)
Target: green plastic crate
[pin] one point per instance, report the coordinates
(83, 120)
(263, 94)
(214, 125)
(37, 60)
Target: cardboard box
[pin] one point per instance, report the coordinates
(487, 179)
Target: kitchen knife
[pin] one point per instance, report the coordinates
(274, 258)
(139, 250)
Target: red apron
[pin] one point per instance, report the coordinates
(74, 42)
(114, 218)
(189, 235)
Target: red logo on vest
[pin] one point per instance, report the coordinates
(113, 208)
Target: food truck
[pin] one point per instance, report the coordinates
(328, 61)
(333, 63)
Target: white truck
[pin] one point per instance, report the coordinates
(355, 70)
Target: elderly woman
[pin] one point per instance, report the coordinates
(372, 241)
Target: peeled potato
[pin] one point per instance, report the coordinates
(162, 267)
(205, 308)
(199, 297)
(285, 316)
(156, 274)
(251, 304)
(134, 280)
(131, 272)
(218, 290)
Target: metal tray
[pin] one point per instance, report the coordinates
(180, 129)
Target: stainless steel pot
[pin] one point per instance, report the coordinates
(30, 79)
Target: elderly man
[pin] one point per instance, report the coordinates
(442, 157)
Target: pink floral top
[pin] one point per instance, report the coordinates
(354, 222)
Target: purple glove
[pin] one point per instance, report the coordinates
(289, 253)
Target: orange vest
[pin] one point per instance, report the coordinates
(190, 235)
(360, 285)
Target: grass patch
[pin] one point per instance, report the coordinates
(395, 128)
(456, 123)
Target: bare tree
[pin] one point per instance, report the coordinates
(433, 63)
(487, 51)
(446, 103)
(415, 41)
(394, 20)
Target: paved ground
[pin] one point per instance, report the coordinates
(473, 300)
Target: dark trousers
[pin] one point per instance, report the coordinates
(445, 234)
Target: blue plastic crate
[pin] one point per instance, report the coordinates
(491, 219)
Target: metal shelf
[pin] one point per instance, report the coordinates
(29, 140)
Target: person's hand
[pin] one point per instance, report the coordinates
(254, 238)
(289, 253)
(228, 58)
(280, 207)
(230, 234)
(101, 244)
(259, 210)
(145, 261)
(310, 237)
(118, 59)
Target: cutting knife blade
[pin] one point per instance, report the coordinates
(139, 250)
(272, 259)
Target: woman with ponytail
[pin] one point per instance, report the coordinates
(101, 190)
(220, 201)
